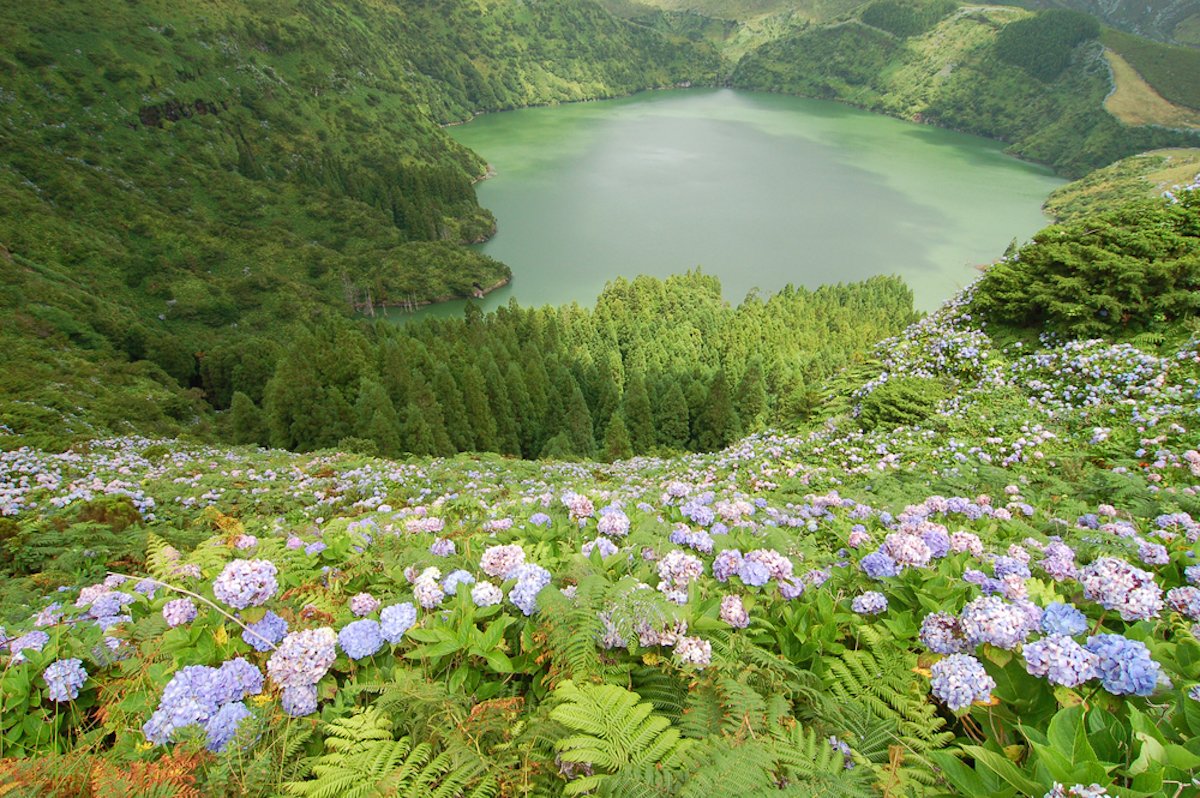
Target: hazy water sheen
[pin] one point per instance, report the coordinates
(759, 189)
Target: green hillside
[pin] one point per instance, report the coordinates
(980, 69)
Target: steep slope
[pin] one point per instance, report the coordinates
(976, 576)
(174, 176)
(1165, 20)
(1042, 94)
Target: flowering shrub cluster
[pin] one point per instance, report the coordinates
(1017, 571)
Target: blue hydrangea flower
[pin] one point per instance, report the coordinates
(303, 657)
(1063, 619)
(1125, 665)
(454, 579)
(531, 579)
(754, 573)
(223, 725)
(878, 565)
(63, 678)
(396, 620)
(361, 639)
(265, 633)
(236, 679)
(960, 680)
(990, 619)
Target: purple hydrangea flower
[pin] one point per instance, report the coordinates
(442, 547)
(236, 679)
(1185, 600)
(499, 561)
(1060, 660)
(34, 640)
(178, 612)
(942, 634)
(870, 603)
(960, 680)
(693, 651)
(733, 612)
(246, 583)
(63, 678)
(613, 522)
(1153, 553)
(990, 619)
(1117, 585)
(363, 604)
(605, 546)
(726, 564)
(303, 657)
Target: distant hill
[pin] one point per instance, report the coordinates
(1175, 21)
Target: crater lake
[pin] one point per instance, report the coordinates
(760, 190)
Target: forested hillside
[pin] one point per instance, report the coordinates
(175, 176)
(656, 366)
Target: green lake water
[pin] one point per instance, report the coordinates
(761, 190)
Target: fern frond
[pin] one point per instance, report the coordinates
(613, 729)
(362, 759)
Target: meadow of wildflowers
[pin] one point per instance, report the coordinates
(998, 598)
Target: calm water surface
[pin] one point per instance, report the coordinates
(759, 189)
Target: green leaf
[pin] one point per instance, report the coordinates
(499, 661)
(1004, 769)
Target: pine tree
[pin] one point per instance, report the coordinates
(246, 422)
(376, 418)
(718, 424)
(508, 439)
(479, 410)
(639, 417)
(522, 408)
(672, 418)
(616, 440)
(454, 412)
(416, 437)
(578, 423)
(751, 399)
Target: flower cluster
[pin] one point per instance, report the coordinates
(196, 694)
(360, 639)
(531, 579)
(266, 632)
(870, 603)
(499, 561)
(246, 583)
(177, 612)
(63, 678)
(960, 680)
(1117, 585)
(733, 612)
(1060, 660)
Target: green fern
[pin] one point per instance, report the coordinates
(573, 627)
(363, 760)
(613, 729)
(881, 678)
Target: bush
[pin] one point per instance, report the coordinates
(1118, 274)
(900, 401)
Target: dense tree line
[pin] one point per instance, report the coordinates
(657, 365)
(906, 18)
(1044, 43)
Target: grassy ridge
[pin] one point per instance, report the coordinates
(1138, 177)
(1170, 70)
